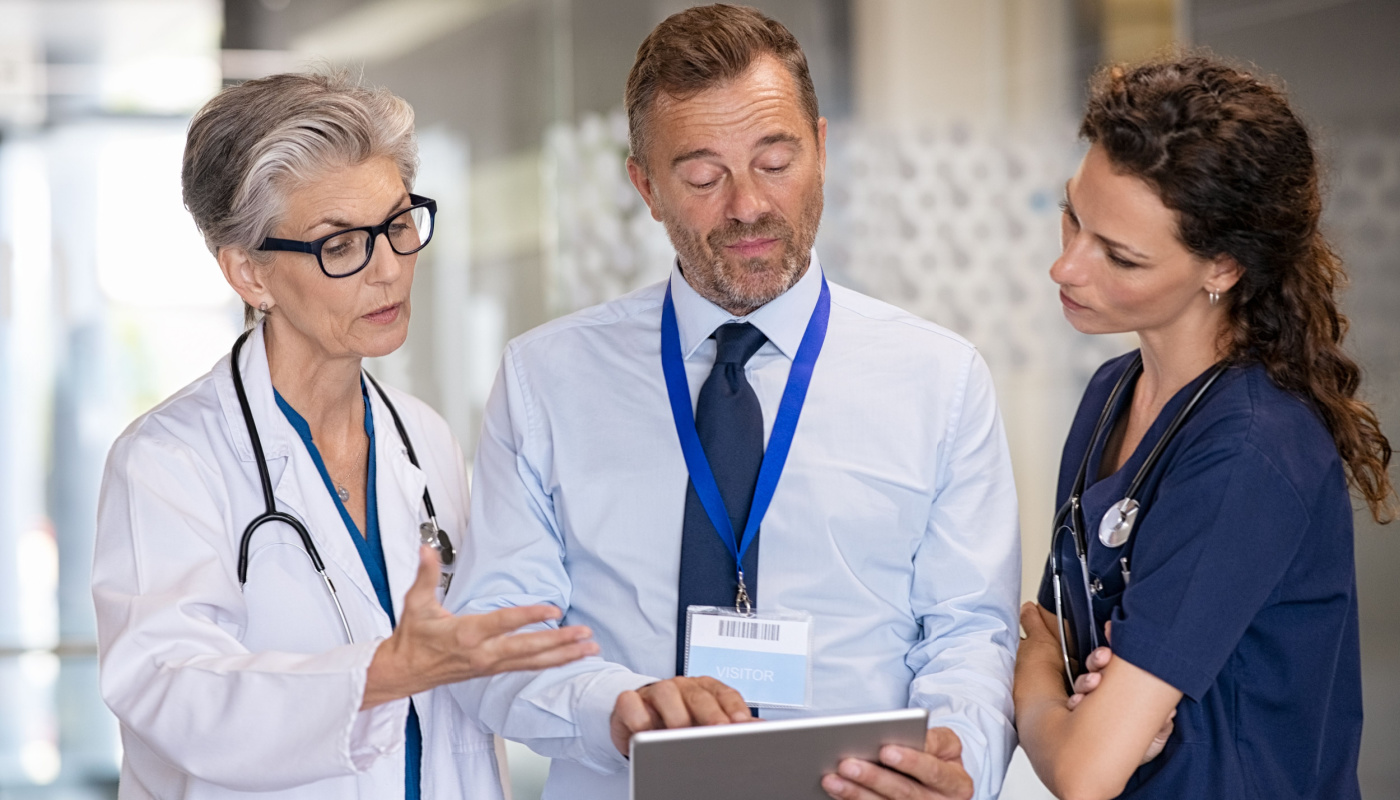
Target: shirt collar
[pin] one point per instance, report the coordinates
(783, 320)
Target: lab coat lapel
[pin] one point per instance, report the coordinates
(399, 486)
(302, 490)
(297, 485)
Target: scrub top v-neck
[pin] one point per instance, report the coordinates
(371, 551)
(1242, 592)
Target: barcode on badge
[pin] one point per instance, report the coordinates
(737, 629)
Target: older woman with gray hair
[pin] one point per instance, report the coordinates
(273, 539)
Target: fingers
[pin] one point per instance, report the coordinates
(630, 715)
(1087, 682)
(1039, 622)
(681, 705)
(731, 702)
(423, 592)
(1167, 727)
(945, 777)
(663, 700)
(541, 649)
(675, 703)
(845, 785)
(1159, 742)
(683, 702)
(1032, 622)
(703, 706)
(902, 773)
(635, 713)
(505, 620)
(474, 645)
(943, 744)
(1098, 659)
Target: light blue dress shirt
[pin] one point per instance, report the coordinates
(894, 523)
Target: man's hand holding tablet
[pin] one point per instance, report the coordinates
(936, 773)
(904, 773)
(675, 703)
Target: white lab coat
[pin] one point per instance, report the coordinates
(223, 691)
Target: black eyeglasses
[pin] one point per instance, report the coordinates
(343, 253)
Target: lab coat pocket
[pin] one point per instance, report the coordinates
(288, 606)
(460, 758)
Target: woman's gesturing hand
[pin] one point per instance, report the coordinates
(431, 647)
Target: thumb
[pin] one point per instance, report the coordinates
(423, 592)
(943, 744)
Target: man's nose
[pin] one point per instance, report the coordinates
(747, 200)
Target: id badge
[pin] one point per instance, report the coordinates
(765, 655)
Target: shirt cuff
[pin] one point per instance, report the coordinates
(593, 714)
(374, 732)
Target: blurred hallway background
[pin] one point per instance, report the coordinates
(952, 132)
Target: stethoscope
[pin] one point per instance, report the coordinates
(429, 532)
(1117, 524)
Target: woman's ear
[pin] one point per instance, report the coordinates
(247, 277)
(1223, 274)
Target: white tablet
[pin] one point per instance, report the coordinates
(783, 759)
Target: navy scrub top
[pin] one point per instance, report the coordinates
(371, 552)
(1242, 590)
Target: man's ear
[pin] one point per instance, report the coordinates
(642, 180)
(1224, 273)
(821, 150)
(246, 277)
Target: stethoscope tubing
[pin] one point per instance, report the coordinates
(271, 514)
(1069, 516)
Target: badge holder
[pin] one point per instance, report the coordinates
(764, 655)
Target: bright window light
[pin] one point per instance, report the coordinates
(149, 253)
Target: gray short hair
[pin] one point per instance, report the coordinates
(251, 142)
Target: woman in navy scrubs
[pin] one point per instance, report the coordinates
(1231, 605)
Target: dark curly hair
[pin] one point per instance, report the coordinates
(1224, 151)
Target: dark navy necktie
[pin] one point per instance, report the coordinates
(730, 424)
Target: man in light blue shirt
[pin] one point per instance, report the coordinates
(893, 522)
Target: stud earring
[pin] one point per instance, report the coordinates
(263, 306)
(1213, 295)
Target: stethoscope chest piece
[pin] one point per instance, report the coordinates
(1117, 523)
(433, 536)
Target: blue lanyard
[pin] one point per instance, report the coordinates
(779, 441)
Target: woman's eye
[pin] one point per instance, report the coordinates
(1068, 213)
(1121, 261)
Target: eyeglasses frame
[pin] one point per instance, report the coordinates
(313, 247)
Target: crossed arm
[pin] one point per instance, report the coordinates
(1088, 745)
